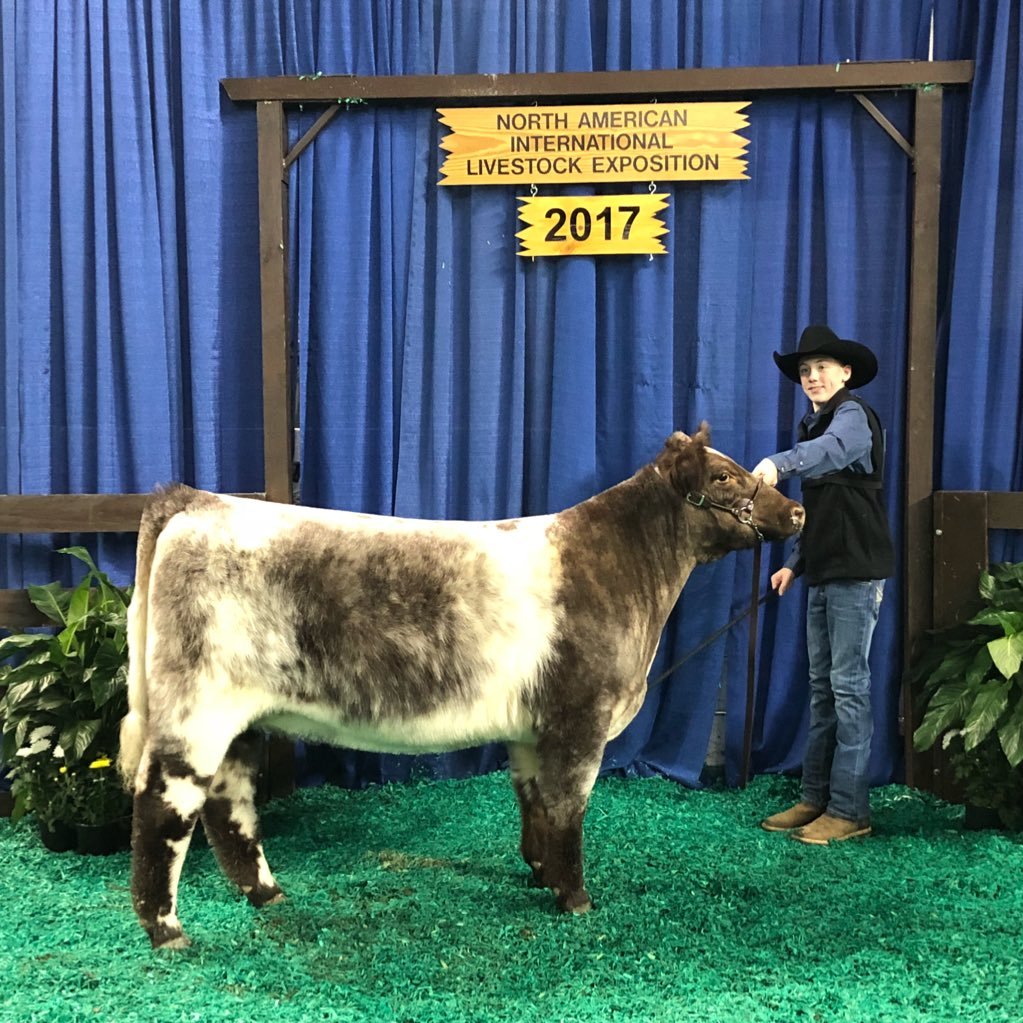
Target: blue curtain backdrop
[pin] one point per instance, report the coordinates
(440, 374)
(980, 372)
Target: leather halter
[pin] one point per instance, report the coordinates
(742, 512)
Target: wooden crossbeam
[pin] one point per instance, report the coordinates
(431, 89)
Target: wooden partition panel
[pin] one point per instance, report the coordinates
(962, 520)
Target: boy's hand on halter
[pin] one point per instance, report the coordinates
(767, 471)
(782, 580)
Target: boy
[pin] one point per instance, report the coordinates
(846, 554)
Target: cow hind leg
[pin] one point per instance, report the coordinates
(169, 793)
(524, 769)
(568, 769)
(232, 825)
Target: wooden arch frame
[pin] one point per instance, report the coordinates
(927, 79)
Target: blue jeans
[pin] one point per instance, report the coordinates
(840, 620)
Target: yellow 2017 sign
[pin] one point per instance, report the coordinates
(608, 142)
(591, 225)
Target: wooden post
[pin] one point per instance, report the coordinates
(919, 537)
(745, 770)
(278, 413)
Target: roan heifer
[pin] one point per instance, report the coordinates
(402, 636)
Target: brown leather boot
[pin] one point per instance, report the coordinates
(794, 817)
(826, 829)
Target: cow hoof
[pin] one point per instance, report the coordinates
(260, 897)
(170, 941)
(575, 902)
(164, 934)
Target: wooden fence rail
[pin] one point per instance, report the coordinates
(63, 513)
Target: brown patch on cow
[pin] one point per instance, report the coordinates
(164, 504)
(706, 478)
(239, 855)
(178, 610)
(167, 501)
(381, 622)
(682, 461)
(624, 556)
(155, 827)
(508, 526)
(570, 745)
(533, 819)
(168, 762)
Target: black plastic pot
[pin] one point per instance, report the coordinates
(58, 836)
(103, 839)
(982, 818)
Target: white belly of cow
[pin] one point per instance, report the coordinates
(502, 717)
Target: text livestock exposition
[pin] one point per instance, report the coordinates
(627, 142)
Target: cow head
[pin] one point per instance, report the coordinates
(738, 508)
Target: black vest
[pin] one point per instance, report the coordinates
(846, 534)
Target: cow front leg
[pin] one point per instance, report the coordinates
(232, 825)
(525, 767)
(168, 796)
(568, 769)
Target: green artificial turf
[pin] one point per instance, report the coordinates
(410, 904)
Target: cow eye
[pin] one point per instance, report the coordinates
(722, 477)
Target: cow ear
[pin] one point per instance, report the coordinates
(683, 461)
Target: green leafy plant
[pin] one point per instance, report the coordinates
(62, 696)
(970, 682)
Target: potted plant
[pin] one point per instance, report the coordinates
(39, 787)
(61, 703)
(970, 683)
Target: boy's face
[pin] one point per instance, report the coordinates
(822, 377)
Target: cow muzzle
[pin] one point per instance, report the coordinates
(742, 512)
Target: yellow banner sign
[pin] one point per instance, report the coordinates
(569, 144)
(592, 225)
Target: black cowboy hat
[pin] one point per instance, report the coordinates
(821, 340)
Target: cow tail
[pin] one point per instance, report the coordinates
(164, 504)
